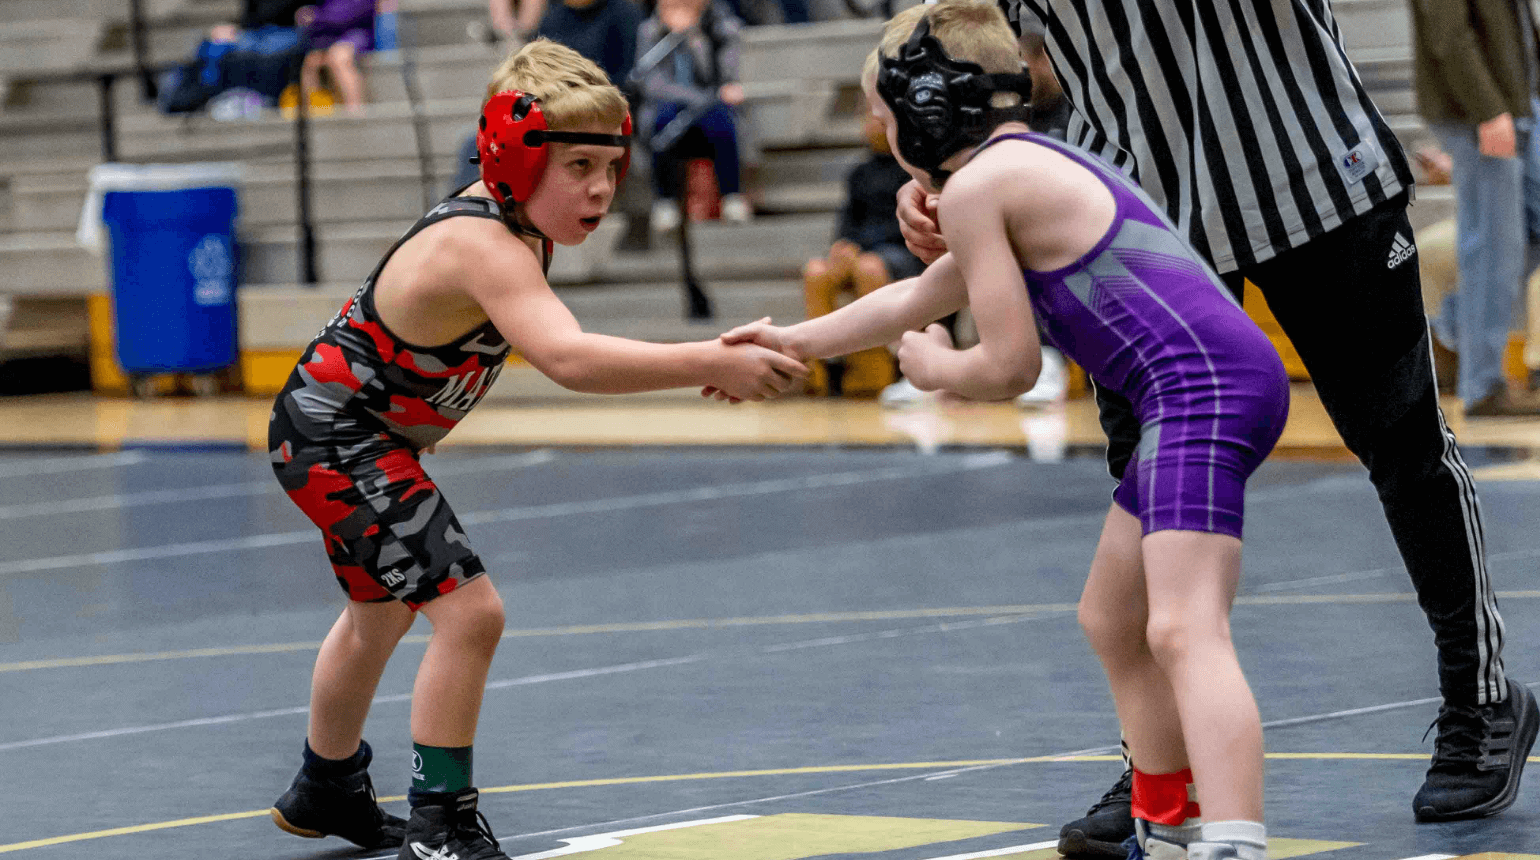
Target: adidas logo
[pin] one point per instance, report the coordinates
(1400, 251)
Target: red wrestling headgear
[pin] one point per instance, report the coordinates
(511, 145)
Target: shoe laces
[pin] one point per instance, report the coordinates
(1464, 734)
(474, 829)
(375, 812)
(1121, 791)
(1131, 845)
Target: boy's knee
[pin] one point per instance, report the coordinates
(815, 269)
(1110, 633)
(474, 616)
(1174, 637)
(485, 623)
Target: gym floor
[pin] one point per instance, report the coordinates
(761, 651)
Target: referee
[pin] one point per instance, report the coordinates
(1249, 124)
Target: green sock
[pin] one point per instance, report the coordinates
(440, 770)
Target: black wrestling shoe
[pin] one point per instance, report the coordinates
(1107, 825)
(1478, 758)
(340, 805)
(453, 831)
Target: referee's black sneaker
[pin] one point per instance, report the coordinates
(1478, 758)
(1106, 826)
(338, 804)
(453, 830)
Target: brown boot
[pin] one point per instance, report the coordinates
(1502, 403)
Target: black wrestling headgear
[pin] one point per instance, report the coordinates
(942, 105)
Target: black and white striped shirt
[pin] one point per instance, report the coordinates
(1243, 118)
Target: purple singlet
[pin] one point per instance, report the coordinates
(1146, 317)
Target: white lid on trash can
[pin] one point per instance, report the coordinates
(146, 177)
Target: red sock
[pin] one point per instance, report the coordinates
(1163, 798)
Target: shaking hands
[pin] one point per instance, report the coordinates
(768, 368)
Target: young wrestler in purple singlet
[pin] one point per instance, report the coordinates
(1040, 232)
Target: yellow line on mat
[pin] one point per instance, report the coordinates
(127, 831)
(715, 623)
(682, 777)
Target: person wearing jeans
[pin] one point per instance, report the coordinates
(720, 130)
(699, 74)
(1490, 205)
(1477, 75)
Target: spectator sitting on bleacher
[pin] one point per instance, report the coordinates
(257, 16)
(868, 253)
(245, 64)
(701, 75)
(338, 31)
(602, 30)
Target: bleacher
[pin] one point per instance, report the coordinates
(802, 134)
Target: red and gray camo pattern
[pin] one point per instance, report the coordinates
(348, 426)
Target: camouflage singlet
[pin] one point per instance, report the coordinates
(348, 426)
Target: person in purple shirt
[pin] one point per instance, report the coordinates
(1040, 232)
(338, 31)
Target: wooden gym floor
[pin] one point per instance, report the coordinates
(1499, 448)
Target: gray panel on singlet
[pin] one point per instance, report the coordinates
(598, 705)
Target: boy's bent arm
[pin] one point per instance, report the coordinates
(503, 276)
(1008, 357)
(881, 317)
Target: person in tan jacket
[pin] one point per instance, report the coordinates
(1477, 76)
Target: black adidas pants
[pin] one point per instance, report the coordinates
(1358, 324)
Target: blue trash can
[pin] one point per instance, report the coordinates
(173, 265)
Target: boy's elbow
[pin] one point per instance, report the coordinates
(1019, 377)
(574, 374)
(562, 364)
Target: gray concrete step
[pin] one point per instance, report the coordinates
(390, 189)
(1372, 24)
(99, 10)
(772, 120)
(50, 44)
(832, 50)
(51, 263)
(768, 247)
(43, 264)
(342, 192)
(1434, 203)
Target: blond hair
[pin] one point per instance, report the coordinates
(573, 91)
(968, 30)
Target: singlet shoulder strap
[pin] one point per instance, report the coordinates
(1100, 169)
(453, 206)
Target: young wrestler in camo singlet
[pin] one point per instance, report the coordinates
(407, 357)
(1041, 231)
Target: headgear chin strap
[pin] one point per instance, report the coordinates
(942, 105)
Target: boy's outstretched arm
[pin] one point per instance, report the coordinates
(875, 319)
(503, 276)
